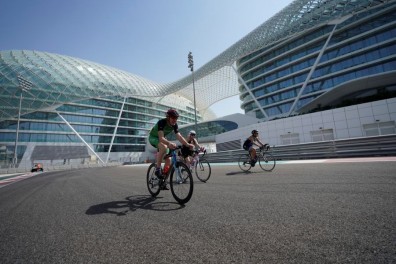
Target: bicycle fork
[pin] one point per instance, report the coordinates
(179, 178)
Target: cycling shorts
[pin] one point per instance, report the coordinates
(154, 141)
(247, 146)
(186, 151)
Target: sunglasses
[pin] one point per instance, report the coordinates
(193, 135)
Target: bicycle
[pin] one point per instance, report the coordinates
(201, 166)
(180, 179)
(266, 160)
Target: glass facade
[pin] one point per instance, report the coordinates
(285, 77)
(65, 101)
(95, 120)
(207, 129)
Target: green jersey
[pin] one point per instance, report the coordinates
(162, 125)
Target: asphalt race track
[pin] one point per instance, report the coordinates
(321, 212)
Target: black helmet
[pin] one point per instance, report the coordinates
(254, 131)
(172, 113)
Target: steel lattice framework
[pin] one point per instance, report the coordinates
(57, 79)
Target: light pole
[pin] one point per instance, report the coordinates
(24, 85)
(191, 66)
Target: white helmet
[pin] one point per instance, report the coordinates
(192, 132)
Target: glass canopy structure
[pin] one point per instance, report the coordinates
(214, 81)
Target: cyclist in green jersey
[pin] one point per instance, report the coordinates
(157, 138)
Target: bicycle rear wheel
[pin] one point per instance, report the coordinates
(267, 162)
(181, 183)
(244, 162)
(153, 183)
(203, 170)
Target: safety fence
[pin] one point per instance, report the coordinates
(355, 147)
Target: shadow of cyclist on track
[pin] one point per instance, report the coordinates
(132, 203)
(240, 173)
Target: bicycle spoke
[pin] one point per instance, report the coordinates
(153, 183)
(203, 170)
(181, 184)
(244, 162)
(267, 162)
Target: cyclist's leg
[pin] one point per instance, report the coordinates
(164, 185)
(252, 152)
(188, 161)
(161, 149)
(253, 156)
(161, 152)
(185, 152)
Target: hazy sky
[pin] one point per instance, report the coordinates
(150, 38)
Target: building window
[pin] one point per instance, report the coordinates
(379, 128)
(290, 138)
(322, 135)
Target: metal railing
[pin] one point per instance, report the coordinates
(355, 147)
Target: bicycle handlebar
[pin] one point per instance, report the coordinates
(266, 147)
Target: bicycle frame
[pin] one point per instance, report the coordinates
(174, 160)
(262, 151)
(196, 157)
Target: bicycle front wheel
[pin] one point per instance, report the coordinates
(153, 183)
(181, 183)
(203, 170)
(267, 162)
(244, 162)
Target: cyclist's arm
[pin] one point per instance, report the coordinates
(261, 143)
(162, 138)
(183, 140)
(196, 144)
(254, 141)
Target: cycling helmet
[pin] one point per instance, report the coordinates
(172, 113)
(192, 132)
(254, 131)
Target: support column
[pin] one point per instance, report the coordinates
(250, 92)
(115, 130)
(313, 68)
(78, 135)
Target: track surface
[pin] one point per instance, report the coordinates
(322, 212)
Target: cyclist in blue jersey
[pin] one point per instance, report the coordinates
(248, 145)
(157, 139)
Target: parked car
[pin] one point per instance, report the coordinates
(37, 167)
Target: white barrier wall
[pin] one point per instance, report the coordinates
(343, 123)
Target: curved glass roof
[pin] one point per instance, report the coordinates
(53, 79)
